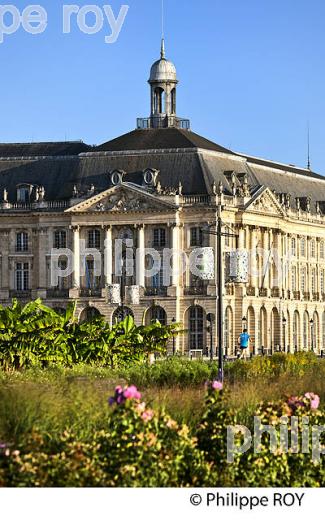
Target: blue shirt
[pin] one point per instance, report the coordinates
(244, 339)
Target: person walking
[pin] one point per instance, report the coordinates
(244, 339)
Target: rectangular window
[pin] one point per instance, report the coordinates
(22, 276)
(60, 239)
(293, 247)
(303, 280)
(159, 237)
(313, 280)
(94, 239)
(303, 247)
(22, 242)
(322, 250)
(23, 194)
(63, 282)
(196, 237)
(92, 281)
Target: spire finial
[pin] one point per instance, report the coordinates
(162, 51)
(308, 161)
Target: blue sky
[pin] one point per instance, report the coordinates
(251, 75)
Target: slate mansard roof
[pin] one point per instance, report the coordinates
(179, 155)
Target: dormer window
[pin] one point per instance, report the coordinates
(150, 177)
(24, 192)
(117, 177)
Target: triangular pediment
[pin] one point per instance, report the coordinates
(124, 198)
(265, 202)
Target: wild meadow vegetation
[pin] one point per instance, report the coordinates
(80, 405)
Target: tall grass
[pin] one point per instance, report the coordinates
(55, 399)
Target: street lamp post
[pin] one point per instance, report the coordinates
(219, 234)
(174, 347)
(284, 323)
(312, 334)
(210, 320)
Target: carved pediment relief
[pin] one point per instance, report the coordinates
(121, 199)
(265, 202)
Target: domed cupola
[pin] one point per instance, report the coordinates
(163, 82)
(163, 70)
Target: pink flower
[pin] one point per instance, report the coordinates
(314, 400)
(295, 402)
(132, 393)
(216, 385)
(147, 415)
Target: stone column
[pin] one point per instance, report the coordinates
(175, 259)
(5, 267)
(108, 256)
(140, 267)
(40, 250)
(241, 239)
(254, 267)
(76, 259)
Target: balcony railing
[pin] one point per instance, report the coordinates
(196, 291)
(57, 293)
(144, 123)
(90, 293)
(156, 291)
(21, 295)
(196, 199)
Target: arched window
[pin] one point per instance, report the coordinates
(94, 239)
(251, 327)
(89, 314)
(21, 242)
(314, 332)
(263, 329)
(158, 314)
(306, 330)
(196, 328)
(60, 239)
(173, 96)
(121, 313)
(159, 100)
(295, 330)
(275, 328)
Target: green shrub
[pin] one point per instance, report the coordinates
(138, 448)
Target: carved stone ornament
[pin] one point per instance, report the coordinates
(122, 202)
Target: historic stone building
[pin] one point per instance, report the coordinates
(159, 185)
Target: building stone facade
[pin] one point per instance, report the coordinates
(161, 186)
